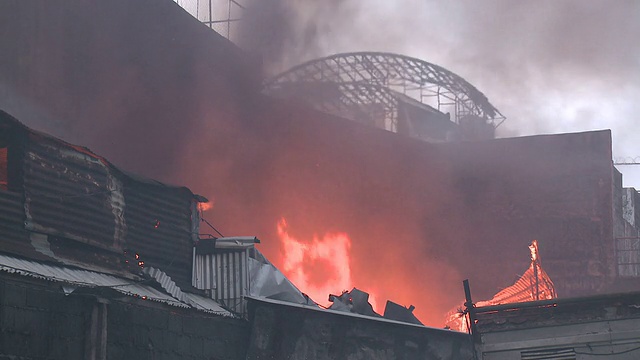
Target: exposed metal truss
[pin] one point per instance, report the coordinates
(343, 81)
(218, 15)
(627, 160)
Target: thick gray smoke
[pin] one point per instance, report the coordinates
(284, 33)
(549, 66)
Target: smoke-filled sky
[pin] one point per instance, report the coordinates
(548, 66)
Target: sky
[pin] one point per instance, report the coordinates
(548, 66)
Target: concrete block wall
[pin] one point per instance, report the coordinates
(40, 322)
(37, 321)
(154, 331)
(281, 331)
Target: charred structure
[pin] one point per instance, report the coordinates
(91, 253)
(393, 92)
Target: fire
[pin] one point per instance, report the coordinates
(204, 206)
(533, 285)
(318, 267)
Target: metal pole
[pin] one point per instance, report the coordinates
(229, 22)
(535, 273)
(470, 309)
(469, 305)
(210, 16)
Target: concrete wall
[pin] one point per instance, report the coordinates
(39, 322)
(282, 331)
(581, 328)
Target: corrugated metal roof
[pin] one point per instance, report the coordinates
(165, 281)
(91, 279)
(206, 304)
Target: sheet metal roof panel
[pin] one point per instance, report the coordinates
(206, 304)
(92, 279)
(84, 278)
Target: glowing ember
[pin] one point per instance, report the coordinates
(318, 267)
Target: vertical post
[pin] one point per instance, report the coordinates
(535, 274)
(229, 21)
(96, 339)
(470, 309)
(210, 16)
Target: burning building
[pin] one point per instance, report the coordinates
(145, 78)
(92, 254)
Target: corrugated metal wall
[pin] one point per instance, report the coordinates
(13, 235)
(225, 276)
(67, 193)
(72, 193)
(158, 222)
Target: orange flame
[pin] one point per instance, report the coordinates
(318, 267)
(204, 206)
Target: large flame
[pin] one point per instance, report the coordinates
(318, 267)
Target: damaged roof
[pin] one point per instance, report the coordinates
(84, 210)
(556, 312)
(72, 278)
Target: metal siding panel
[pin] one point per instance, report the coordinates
(11, 210)
(15, 239)
(225, 278)
(67, 193)
(216, 269)
(169, 245)
(237, 280)
(228, 274)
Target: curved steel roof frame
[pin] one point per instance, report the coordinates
(399, 73)
(347, 100)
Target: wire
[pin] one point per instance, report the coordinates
(608, 354)
(211, 226)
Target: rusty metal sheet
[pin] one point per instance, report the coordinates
(70, 193)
